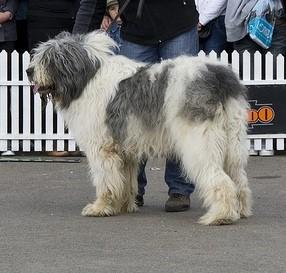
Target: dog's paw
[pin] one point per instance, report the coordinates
(245, 212)
(96, 210)
(212, 220)
(129, 207)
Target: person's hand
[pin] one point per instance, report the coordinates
(199, 26)
(5, 16)
(106, 21)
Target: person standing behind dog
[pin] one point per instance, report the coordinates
(211, 26)
(148, 36)
(8, 31)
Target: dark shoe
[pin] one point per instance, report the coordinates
(177, 202)
(139, 200)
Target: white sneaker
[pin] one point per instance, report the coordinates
(8, 153)
(252, 152)
(266, 153)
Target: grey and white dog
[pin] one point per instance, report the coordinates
(119, 109)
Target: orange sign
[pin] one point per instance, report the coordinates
(264, 114)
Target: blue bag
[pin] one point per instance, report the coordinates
(261, 31)
(262, 21)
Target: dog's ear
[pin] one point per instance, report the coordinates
(70, 68)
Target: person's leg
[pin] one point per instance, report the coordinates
(217, 39)
(279, 38)
(148, 54)
(179, 188)
(278, 45)
(246, 44)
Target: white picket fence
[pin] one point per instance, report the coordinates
(26, 126)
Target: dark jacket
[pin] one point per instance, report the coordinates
(47, 18)
(53, 8)
(8, 30)
(160, 20)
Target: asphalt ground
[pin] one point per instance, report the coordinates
(42, 231)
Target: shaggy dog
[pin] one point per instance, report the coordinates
(119, 110)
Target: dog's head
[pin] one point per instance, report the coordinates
(62, 67)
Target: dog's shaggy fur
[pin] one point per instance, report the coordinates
(119, 109)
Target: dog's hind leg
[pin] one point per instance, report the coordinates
(108, 178)
(237, 154)
(201, 148)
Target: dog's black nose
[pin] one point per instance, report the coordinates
(30, 72)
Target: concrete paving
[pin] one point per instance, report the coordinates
(41, 230)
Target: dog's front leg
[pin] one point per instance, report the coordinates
(106, 169)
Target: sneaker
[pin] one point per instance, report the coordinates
(139, 200)
(266, 152)
(177, 202)
(7, 153)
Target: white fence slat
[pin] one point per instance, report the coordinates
(213, 55)
(26, 105)
(37, 122)
(60, 131)
(15, 100)
(71, 145)
(3, 116)
(269, 66)
(257, 144)
(235, 61)
(269, 144)
(246, 65)
(49, 125)
(280, 144)
(224, 57)
(3, 100)
(257, 66)
(280, 67)
(202, 54)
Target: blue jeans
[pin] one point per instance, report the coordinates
(217, 39)
(184, 44)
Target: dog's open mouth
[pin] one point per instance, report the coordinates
(43, 90)
(46, 93)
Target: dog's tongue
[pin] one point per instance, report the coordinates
(35, 89)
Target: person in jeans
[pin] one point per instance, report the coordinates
(211, 26)
(152, 32)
